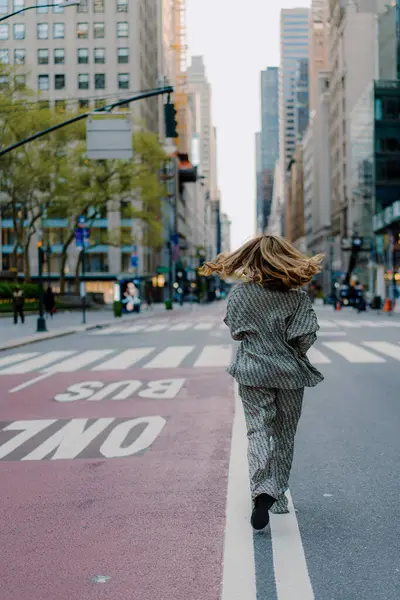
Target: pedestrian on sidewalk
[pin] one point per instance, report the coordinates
(18, 302)
(50, 302)
(276, 325)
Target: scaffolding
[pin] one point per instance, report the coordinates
(181, 94)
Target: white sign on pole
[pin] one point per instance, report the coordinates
(109, 136)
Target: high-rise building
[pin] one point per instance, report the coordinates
(319, 46)
(267, 145)
(301, 98)
(225, 233)
(294, 40)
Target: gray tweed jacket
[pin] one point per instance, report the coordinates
(275, 329)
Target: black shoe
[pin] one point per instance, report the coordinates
(260, 515)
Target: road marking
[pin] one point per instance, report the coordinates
(239, 581)
(327, 323)
(159, 327)
(180, 327)
(204, 326)
(107, 330)
(332, 333)
(353, 353)
(291, 573)
(29, 430)
(214, 356)
(14, 358)
(385, 348)
(79, 361)
(30, 382)
(317, 358)
(135, 329)
(37, 363)
(115, 444)
(124, 360)
(170, 357)
(349, 324)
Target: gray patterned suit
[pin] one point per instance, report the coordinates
(275, 329)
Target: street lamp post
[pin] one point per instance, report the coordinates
(59, 5)
(41, 322)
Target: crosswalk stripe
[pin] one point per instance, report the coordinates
(14, 358)
(124, 360)
(353, 353)
(316, 357)
(384, 348)
(134, 329)
(170, 357)
(107, 330)
(77, 362)
(38, 362)
(349, 324)
(214, 356)
(323, 323)
(180, 326)
(204, 326)
(158, 327)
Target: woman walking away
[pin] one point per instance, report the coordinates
(50, 302)
(18, 302)
(276, 325)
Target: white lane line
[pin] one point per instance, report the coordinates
(332, 334)
(354, 353)
(107, 330)
(239, 581)
(39, 362)
(30, 382)
(317, 358)
(134, 329)
(349, 324)
(158, 327)
(79, 361)
(170, 357)
(384, 348)
(215, 356)
(14, 358)
(290, 566)
(204, 326)
(124, 360)
(323, 323)
(180, 327)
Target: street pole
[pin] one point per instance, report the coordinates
(22, 10)
(41, 322)
(83, 285)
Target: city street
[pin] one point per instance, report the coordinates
(124, 471)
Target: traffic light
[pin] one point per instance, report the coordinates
(170, 121)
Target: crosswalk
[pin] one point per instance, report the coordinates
(172, 325)
(188, 356)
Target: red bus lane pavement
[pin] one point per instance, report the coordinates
(114, 489)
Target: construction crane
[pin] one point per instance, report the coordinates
(181, 94)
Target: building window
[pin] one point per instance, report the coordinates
(83, 81)
(83, 104)
(43, 83)
(98, 6)
(59, 56)
(42, 6)
(123, 55)
(123, 81)
(18, 4)
(122, 29)
(99, 103)
(98, 30)
(42, 31)
(58, 31)
(3, 7)
(19, 31)
(3, 81)
(3, 32)
(20, 81)
(59, 82)
(122, 5)
(19, 56)
(43, 56)
(99, 56)
(60, 106)
(83, 56)
(82, 31)
(57, 9)
(4, 57)
(83, 6)
(100, 81)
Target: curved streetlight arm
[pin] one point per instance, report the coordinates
(21, 10)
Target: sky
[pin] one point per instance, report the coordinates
(237, 43)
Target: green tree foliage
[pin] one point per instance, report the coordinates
(52, 178)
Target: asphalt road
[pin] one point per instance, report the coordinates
(123, 468)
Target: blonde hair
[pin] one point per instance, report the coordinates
(268, 260)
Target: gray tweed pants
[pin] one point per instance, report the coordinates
(271, 417)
